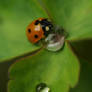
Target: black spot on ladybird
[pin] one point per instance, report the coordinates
(36, 36)
(29, 30)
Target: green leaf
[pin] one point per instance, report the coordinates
(15, 16)
(74, 15)
(58, 70)
(85, 82)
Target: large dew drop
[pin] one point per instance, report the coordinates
(55, 42)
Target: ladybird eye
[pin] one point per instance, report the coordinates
(36, 36)
(29, 30)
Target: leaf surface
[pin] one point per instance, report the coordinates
(57, 70)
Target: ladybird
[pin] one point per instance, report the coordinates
(39, 29)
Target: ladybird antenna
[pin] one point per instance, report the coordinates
(45, 8)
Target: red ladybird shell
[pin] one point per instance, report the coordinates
(35, 32)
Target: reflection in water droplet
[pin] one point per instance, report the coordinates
(42, 87)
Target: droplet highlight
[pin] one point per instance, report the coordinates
(42, 87)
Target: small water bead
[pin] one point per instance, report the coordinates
(42, 87)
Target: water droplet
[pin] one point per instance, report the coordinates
(42, 87)
(55, 42)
